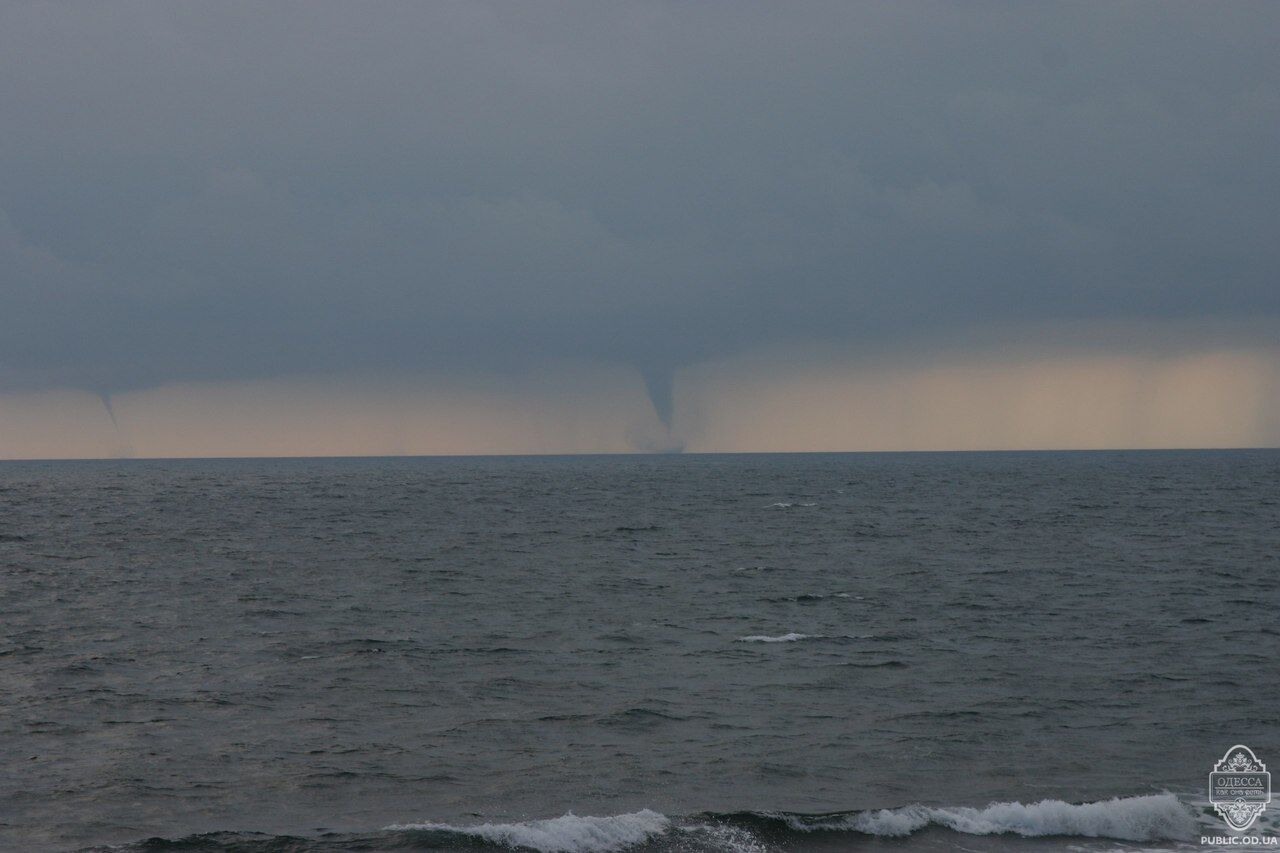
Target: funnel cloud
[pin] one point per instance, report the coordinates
(111, 412)
(658, 383)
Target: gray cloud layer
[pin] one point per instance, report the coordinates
(234, 190)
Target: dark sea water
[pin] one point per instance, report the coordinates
(886, 652)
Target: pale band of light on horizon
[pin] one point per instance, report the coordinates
(1217, 398)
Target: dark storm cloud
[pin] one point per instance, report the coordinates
(233, 190)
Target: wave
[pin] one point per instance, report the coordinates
(793, 637)
(809, 597)
(1155, 817)
(1151, 818)
(784, 638)
(566, 834)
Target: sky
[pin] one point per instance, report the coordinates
(334, 228)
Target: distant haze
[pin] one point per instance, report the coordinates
(311, 228)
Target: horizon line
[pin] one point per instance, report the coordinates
(306, 457)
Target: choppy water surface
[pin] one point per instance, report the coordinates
(696, 652)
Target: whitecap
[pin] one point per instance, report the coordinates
(784, 638)
(566, 834)
(721, 836)
(1147, 818)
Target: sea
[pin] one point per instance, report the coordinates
(588, 654)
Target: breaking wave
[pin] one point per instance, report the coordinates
(1152, 818)
(566, 834)
(1156, 817)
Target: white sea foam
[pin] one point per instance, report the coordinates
(723, 837)
(784, 638)
(567, 834)
(1155, 817)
